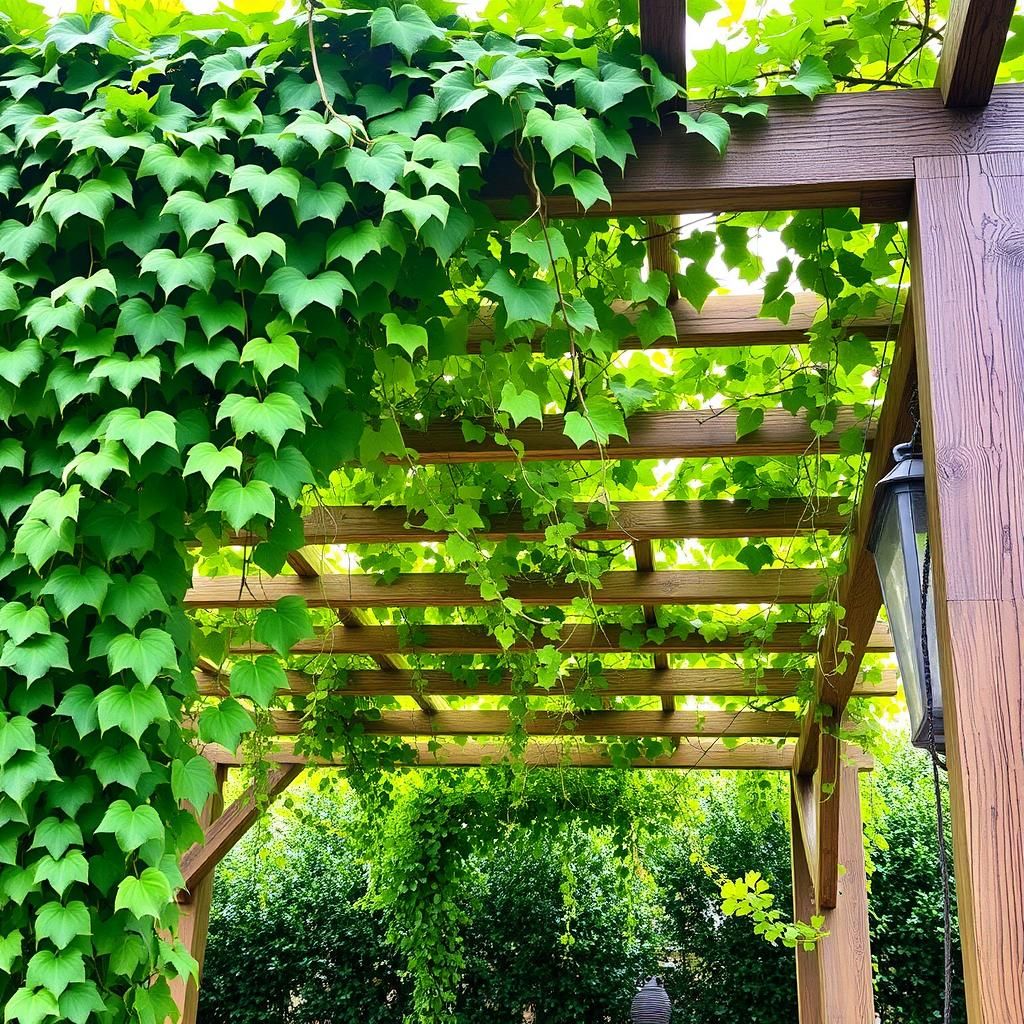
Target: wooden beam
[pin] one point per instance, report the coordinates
(450, 590)
(198, 862)
(725, 321)
(787, 638)
(559, 723)
(640, 682)
(972, 46)
(627, 520)
(805, 156)
(663, 35)
(687, 434)
(689, 754)
(643, 552)
(967, 246)
(809, 995)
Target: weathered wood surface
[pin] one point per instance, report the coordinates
(849, 149)
(557, 723)
(725, 321)
(972, 45)
(449, 590)
(809, 995)
(639, 682)
(788, 638)
(689, 754)
(687, 434)
(968, 252)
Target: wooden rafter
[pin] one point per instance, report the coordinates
(652, 435)
(787, 638)
(643, 552)
(972, 45)
(641, 682)
(450, 590)
(806, 156)
(704, 754)
(556, 723)
(725, 321)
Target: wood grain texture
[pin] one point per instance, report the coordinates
(968, 251)
(725, 321)
(663, 35)
(688, 433)
(972, 45)
(804, 156)
(450, 590)
(640, 682)
(689, 754)
(198, 863)
(643, 552)
(788, 638)
(809, 995)
(556, 723)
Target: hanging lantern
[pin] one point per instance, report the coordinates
(899, 534)
(651, 1005)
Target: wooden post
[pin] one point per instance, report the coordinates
(968, 253)
(834, 984)
(194, 920)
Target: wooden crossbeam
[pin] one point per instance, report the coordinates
(449, 590)
(972, 45)
(643, 552)
(628, 520)
(787, 638)
(640, 682)
(690, 754)
(805, 156)
(725, 321)
(652, 435)
(227, 829)
(556, 723)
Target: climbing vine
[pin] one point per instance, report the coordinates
(245, 260)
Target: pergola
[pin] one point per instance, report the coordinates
(951, 161)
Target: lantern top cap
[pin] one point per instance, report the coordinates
(904, 477)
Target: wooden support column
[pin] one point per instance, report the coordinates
(834, 980)
(968, 261)
(194, 919)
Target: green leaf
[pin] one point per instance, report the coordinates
(586, 186)
(566, 129)
(79, 704)
(270, 354)
(132, 711)
(196, 214)
(749, 108)
(131, 599)
(406, 31)
(270, 419)
(225, 723)
(145, 896)
(55, 835)
(20, 622)
(36, 657)
(520, 405)
(241, 503)
(146, 656)
(61, 872)
(283, 625)
(31, 1007)
(193, 270)
(73, 588)
(16, 734)
(325, 202)
(408, 337)
(124, 766)
(73, 30)
(523, 299)
(132, 827)
(61, 925)
(258, 680)
(266, 186)
(24, 771)
(125, 374)
(140, 433)
(296, 291)
(708, 125)
(148, 327)
(79, 1001)
(54, 971)
(193, 165)
(259, 247)
(210, 461)
(19, 363)
(606, 87)
(94, 199)
(193, 780)
(812, 77)
(756, 556)
(355, 243)
(417, 211)
(748, 419)
(596, 424)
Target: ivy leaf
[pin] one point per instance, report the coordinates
(196, 214)
(94, 199)
(601, 420)
(73, 588)
(380, 168)
(266, 186)
(31, 1007)
(55, 835)
(708, 125)
(566, 129)
(282, 626)
(270, 419)
(225, 723)
(211, 462)
(37, 656)
(54, 971)
(61, 925)
(524, 299)
(756, 556)
(132, 711)
(296, 291)
(586, 186)
(73, 30)
(145, 896)
(270, 354)
(605, 88)
(61, 872)
(131, 599)
(241, 503)
(408, 337)
(238, 244)
(749, 108)
(417, 211)
(16, 734)
(520, 405)
(258, 680)
(148, 327)
(140, 433)
(80, 1000)
(132, 827)
(193, 270)
(79, 704)
(632, 397)
(193, 780)
(354, 243)
(325, 202)
(812, 77)
(19, 363)
(748, 419)
(24, 771)
(193, 165)
(124, 765)
(406, 31)
(146, 656)
(125, 374)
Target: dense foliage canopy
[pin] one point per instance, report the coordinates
(241, 253)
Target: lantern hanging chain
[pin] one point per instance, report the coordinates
(947, 910)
